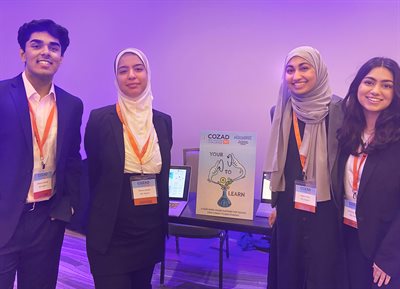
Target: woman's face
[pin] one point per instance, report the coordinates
(375, 92)
(300, 76)
(131, 75)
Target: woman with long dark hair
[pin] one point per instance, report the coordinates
(369, 175)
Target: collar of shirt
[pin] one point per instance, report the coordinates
(31, 92)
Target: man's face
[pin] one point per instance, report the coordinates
(42, 56)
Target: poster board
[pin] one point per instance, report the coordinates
(226, 176)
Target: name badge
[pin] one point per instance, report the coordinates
(349, 214)
(305, 196)
(144, 189)
(42, 184)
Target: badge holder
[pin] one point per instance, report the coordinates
(349, 214)
(144, 189)
(43, 183)
(305, 196)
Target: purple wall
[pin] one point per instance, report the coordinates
(215, 64)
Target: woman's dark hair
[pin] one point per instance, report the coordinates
(387, 127)
(43, 25)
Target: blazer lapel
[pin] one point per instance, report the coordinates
(161, 133)
(338, 182)
(367, 173)
(335, 121)
(63, 111)
(18, 94)
(116, 128)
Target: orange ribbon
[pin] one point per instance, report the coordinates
(298, 139)
(131, 137)
(41, 141)
(356, 172)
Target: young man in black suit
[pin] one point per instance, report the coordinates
(40, 167)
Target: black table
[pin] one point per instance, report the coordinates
(258, 225)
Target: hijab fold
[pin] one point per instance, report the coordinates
(312, 109)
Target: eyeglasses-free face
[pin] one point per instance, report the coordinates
(376, 90)
(131, 75)
(42, 56)
(300, 76)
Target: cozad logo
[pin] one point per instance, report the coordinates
(218, 138)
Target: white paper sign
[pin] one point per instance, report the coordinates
(226, 177)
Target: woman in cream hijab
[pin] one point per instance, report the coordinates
(305, 233)
(128, 148)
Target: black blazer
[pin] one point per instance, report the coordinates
(104, 144)
(378, 207)
(16, 154)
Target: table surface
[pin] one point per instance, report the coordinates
(259, 225)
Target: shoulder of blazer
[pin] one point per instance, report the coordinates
(14, 82)
(160, 116)
(396, 146)
(101, 112)
(157, 113)
(62, 93)
(391, 151)
(336, 99)
(335, 113)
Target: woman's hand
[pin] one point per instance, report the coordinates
(380, 276)
(272, 218)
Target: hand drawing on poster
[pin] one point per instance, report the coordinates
(231, 166)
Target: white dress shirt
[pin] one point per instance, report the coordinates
(42, 107)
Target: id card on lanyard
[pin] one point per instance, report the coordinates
(42, 183)
(42, 177)
(349, 212)
(305, 194)
(144, 189)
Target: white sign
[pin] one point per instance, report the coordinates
(226, 176)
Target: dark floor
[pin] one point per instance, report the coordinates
(196, 267)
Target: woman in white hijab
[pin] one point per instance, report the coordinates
(304, 246)
(128, 148)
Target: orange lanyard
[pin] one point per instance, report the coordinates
(298, 139)
(356, 172)
(132, 139)
(41, 141)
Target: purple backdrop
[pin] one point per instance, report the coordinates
(215, 64)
